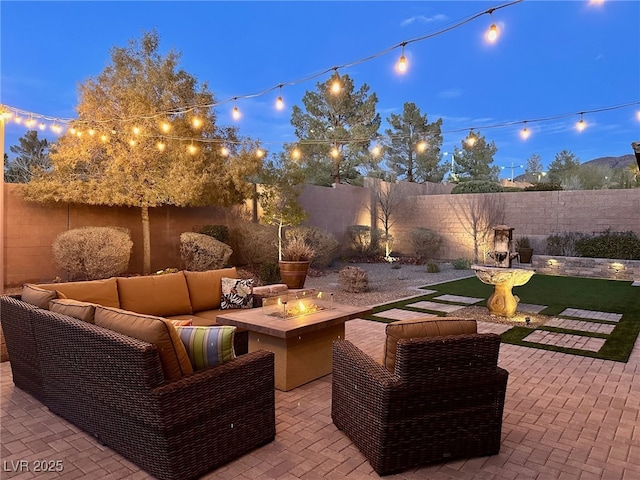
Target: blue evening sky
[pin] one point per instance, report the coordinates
(552, 58)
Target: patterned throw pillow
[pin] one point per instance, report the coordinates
(208, 346)
(236, 293)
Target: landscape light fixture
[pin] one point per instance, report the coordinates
(581, 125)
(401, 66)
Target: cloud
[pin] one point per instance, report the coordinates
(451, 93)
(423, 19)
(599, 57)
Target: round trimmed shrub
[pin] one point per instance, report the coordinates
(92, 253)
(201, 252)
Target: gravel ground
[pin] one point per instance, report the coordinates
(386, 284)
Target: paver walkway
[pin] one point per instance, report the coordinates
(566, 417)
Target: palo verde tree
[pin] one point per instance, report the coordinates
(335, 130)
(412, 146)
(32, 156)
(145, 136)
(474, 159)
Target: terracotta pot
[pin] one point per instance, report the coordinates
(294, 274)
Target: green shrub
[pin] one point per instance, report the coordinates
(433, 267)
(563, 244)
(219, 232)
(364, 241)
(462, 264)
(324, 244)
(92, 253)
(608, 244)
(425, 242)
(254, 243)
(353, 279)
(269, 273)
(201, 252)
(543, 187)
(477, 186)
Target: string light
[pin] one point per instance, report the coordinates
(259, 153)
(92, 132)
(492, 33)
(375, 151)
(132, 142)
(30, 122)
(295, 154)
(401, 66)
(336, 86)
(471, 138)
(581, 125)
(196, 122)
(235, 113)
(136, 130)
(104, 138)
(279, 101)
(165, 127)
(161, 146)
(525, 133)
(42, 126)
(421, 146)
(224, 151)
(335, 152)
(192, 149)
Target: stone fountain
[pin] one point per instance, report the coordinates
(501, 275)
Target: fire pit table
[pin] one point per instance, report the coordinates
(301, 344)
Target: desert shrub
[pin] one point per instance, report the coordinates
(425, 242)
(462, 264)
(201, 252)
(269, 273)
(254, 243)
(92, 253)
(363, 240)
(477, 186)
(608, 244)
(219, 232)
(324, 244)
(433, 267)
(563, 244)
(297, 250)
(353, 279)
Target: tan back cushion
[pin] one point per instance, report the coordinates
(158, 331)
(205, 288)
(160, 295)
(419, 328)
(103, 292)
(74, 308)
(40, 297)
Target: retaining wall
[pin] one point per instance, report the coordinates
(587, 267)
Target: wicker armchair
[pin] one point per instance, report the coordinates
(444, 400)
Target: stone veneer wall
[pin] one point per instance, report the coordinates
(587, 267)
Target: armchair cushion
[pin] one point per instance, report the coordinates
(161, 295)
(205, 288)
(103, 292)
(420, 328)
(73, 308)
(37, 296)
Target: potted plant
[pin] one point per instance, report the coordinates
(295, 261)
(524, 249)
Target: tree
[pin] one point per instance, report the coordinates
(474, 159)
(387, 202)
(335, 131)
(32, 157)
(281, 181)
(121, 153)
(534, 169)
(564, 168)
(413, 146)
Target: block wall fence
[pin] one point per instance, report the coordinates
(30, 228)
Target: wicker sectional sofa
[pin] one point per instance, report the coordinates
(174, 423)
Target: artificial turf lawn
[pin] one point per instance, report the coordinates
(558, 293)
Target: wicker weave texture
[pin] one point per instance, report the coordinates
(112, 386)
(445, 400)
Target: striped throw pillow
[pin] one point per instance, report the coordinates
(208, 346)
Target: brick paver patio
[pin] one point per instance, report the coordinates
(566, 417)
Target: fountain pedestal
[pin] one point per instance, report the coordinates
(502, 302)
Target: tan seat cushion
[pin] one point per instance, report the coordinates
(158, 331)
(205, 288)
(102, 292)
(160, 295)
(419, 328)
(40, 297)
(81, 310)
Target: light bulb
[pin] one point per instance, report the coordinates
(402, 65)
(136, 130)
(422, 146)
(165, 127)
(6, 114)
(492, 33)
(375, 151)
(78, 134)
(471, 139)
(42, 126)
(336, 86)
(581, 125)
(72, 131)
(279, 103)
(259, 153)
(193, 149)
(335, 152)
(295, 154)
(55, 128)
(92, 132)
(236, 113)
(30, 122)
(104, 138)
(161, 146)
(524, 133)
(132, 142)
(18, 119)
(224, 151)
(196, 122)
